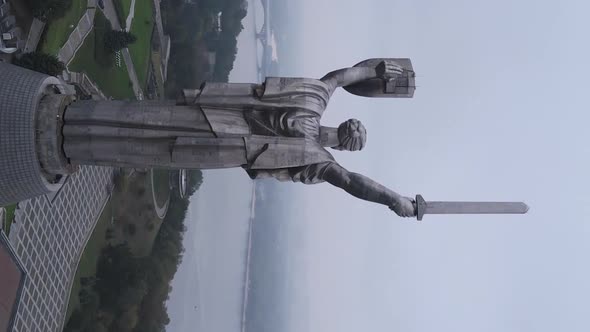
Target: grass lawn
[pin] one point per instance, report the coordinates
(89, 259)
(112, 80)
(142, 27)
(127, 7)
(136, 221)
(58, 31)
(157, 63)
(9, 217)
(122, 8)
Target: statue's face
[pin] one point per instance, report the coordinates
(352, 135)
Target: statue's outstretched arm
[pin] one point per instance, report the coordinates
(386, 70)
(362, 187)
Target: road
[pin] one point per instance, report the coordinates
(111, 15)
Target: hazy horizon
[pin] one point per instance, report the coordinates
(498, 115)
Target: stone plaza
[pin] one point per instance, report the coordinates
(49, 236)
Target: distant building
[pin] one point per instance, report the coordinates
(217, 22)
(10, 41)
(7, 23)
(4, 9)
(10, 34)
(212, 60)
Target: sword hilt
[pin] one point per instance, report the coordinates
(420, 207)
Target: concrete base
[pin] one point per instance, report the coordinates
(21, 176)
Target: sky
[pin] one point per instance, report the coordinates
(500, 114)
(208, 286)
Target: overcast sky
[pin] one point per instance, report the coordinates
(501, 113)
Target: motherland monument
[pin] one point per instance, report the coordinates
(271, 129)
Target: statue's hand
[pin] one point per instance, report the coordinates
(388, 70)
(403, 207)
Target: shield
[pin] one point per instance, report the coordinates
(402, 87)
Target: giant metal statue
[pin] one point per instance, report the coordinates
(271, 129)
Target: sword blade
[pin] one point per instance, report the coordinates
(423, 207)
(476, 208)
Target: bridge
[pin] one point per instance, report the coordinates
(264, 37)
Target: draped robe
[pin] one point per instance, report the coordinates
(276, 133)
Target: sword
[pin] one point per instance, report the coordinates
(423, 207)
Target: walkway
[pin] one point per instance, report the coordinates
(76, 39)
(34, 36)
(111, 14)
(160, 210)
(130, 17)
(86, 84)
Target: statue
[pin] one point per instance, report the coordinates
(271, 130)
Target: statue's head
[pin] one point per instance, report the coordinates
(352, 135)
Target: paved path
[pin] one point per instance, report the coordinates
(49, 237)
(130, 17)
(34, 36)
(86, 84)
(76, 39)
(160, 210)
(132, 74)
(111, 14)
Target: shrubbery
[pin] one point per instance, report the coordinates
(47, 10)
(41, 62)
(117, 40)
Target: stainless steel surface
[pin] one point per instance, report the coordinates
(436, 207)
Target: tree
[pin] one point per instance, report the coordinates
(88, 281)
(131, 229)
(117, 40)
(127, 320)
(41, 62)
(49, 9)
(195, 179)
(75, 322)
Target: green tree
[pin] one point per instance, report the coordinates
(117, 40)
(116, 271)
(47, 10)
(41, 62)
(127, 320)
(195, 179)
(75, 322)
(131, 229)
